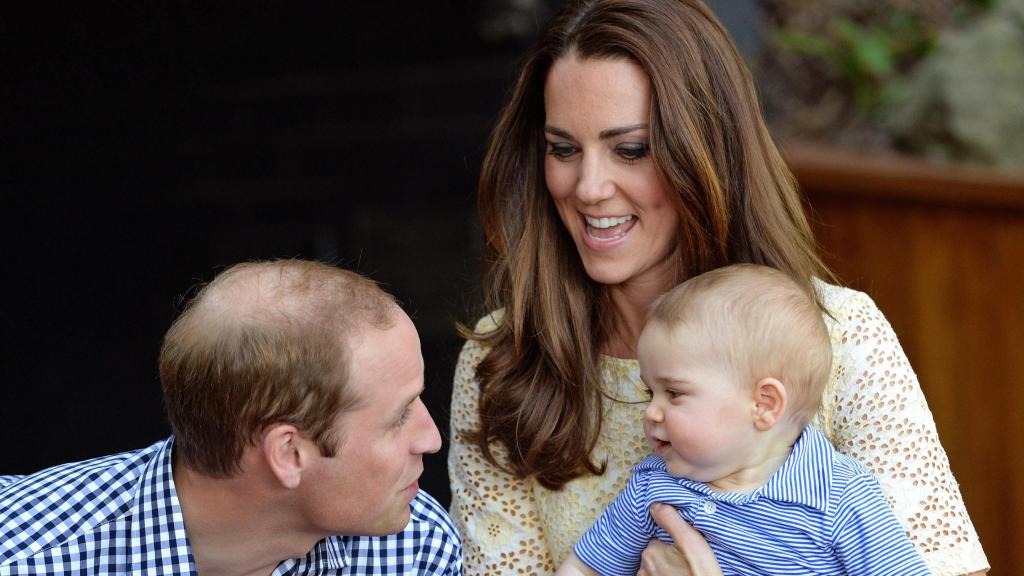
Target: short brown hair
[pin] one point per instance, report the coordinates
(264, 342)
(762, 323)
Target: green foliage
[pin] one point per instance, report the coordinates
(866, 57)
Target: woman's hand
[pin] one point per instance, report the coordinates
(689, 556)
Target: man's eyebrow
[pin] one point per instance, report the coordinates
(412, 398)
(603, 135)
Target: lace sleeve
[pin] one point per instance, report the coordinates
(496, 512)
(881, 418)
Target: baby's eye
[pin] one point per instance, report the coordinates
(561, 150)
(673, 394)
(633, 151)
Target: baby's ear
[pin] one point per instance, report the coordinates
(769, 402)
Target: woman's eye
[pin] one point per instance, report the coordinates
(632, 152)
(559, 150)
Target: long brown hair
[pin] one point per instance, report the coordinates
(540, 389)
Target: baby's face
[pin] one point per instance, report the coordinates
(700, 418)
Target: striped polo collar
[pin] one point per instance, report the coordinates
(804, 478)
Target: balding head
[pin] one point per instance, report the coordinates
(264, 343)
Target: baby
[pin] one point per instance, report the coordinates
(736, 361)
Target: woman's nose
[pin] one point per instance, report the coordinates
(595, 182)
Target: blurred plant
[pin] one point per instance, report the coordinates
(866, 57)
(835, 70)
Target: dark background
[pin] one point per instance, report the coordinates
(149, 145)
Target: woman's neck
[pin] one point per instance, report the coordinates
(628, 305)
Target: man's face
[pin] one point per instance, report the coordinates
(366, 487)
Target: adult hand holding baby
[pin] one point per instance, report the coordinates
(689, 556)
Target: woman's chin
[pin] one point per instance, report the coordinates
(606, 275)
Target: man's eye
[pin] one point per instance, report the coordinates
(404, 417)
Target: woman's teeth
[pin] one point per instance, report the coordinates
(607, 222)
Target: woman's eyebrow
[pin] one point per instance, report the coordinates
(613, 132)
(603, 135)
(557, 132)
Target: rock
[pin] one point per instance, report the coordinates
(965, 101)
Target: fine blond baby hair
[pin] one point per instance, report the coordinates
(761, 323)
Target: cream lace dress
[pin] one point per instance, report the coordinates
(873, 410)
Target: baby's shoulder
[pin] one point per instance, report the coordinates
(849, 472)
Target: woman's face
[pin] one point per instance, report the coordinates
(600, 174)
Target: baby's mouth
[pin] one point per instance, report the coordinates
(659, 446)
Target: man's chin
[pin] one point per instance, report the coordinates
(394, 524)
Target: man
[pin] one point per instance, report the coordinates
(293, 391)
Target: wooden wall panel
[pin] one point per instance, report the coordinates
(947, 269)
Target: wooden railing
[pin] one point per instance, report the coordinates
(941, 250)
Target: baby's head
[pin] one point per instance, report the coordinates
(726, 354)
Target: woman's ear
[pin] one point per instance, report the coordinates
(769, 402)
(286, 454)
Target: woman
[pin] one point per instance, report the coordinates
(632, 155)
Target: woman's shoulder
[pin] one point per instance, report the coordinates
(475, 348)
(489, 322)
(844, 304)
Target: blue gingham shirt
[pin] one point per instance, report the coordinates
(821, 512)
(120, 515)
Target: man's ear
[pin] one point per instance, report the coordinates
(286, 453)
(769, 402)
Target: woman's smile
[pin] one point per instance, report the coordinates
(604, 231)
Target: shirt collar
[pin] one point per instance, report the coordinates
(328, 556)
(159, 527)
(804, 478)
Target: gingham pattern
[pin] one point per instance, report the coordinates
(430, 544)
(120, 515)
(820, 513)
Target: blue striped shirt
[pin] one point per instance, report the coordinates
(821, 512)
(120, 515)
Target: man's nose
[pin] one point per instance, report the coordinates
(428, 438)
